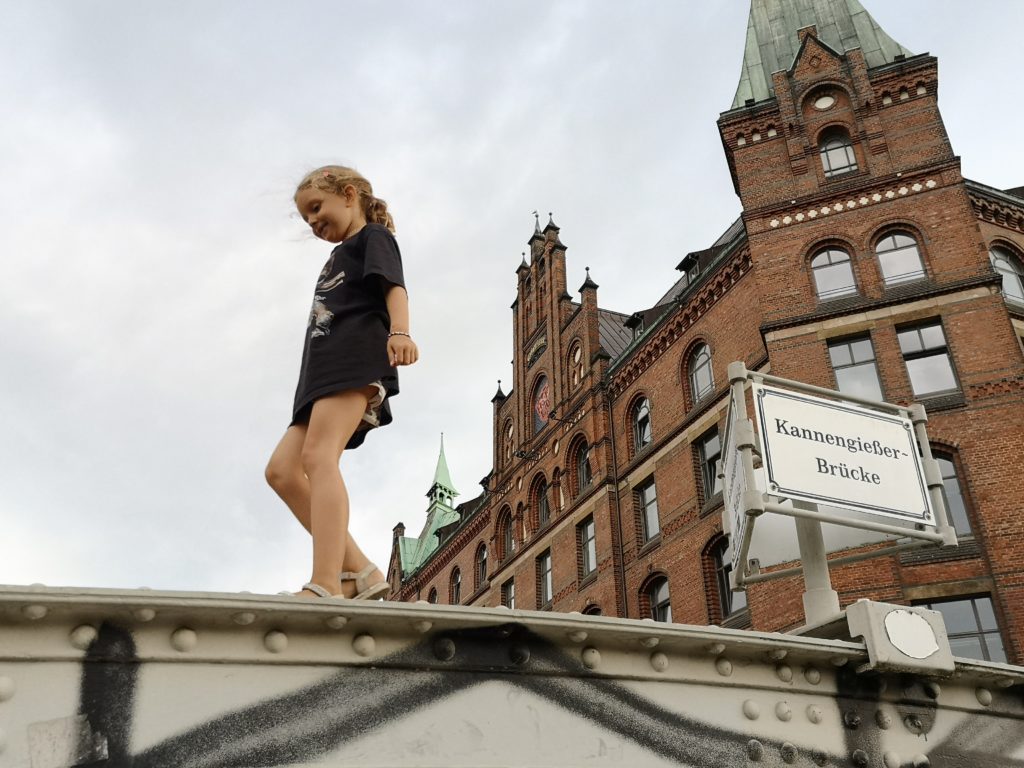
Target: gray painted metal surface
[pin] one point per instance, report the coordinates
(144, 678)
(772, 42)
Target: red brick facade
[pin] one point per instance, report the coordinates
(753, 297)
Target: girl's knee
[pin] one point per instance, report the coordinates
(281, 475)
(317, 459)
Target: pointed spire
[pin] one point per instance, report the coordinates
(536, 224)
(551, 223)
(523, 265)
(499, 395)
(588, 283)
(773, 42)
(442, 477)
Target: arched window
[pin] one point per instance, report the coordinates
(837, 155)
(432, 596)
(833, 273)
(952, 494)
(541, 404)
(702, 381)
(455, 587)
(729, 602)
(575, 365)
(543, 504)
(506, 536)
(592, 610)
(1010, 269)
(481, 566)
(584, 471)
(899, 258)
(508, 438)
(658, 599)
(641, 419)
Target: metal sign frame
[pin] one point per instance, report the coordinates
(744, 502)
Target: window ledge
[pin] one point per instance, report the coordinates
(545, 607)
(711, 504)
(737, 620)
(968, 549)
(942, 401)
(587, 580)
(649, 546)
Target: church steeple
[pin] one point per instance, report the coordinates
(442, 490)
(773, 39)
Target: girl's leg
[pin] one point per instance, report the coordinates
(332, 422)
(285, 476)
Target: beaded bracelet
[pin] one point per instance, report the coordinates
(399, 333)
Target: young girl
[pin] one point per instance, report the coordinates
(358, 333)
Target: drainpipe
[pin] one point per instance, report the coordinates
(619, 562)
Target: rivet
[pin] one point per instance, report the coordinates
(422, 626)
(933, 689)
(913, 724)
(144, 614)
(724, 667)
(859, 757)
(777, 654)
(243, 618)
(814, 713)
(852, 720)
(520, 654)
(812, 675)
(184, 639)
(883, 720)
(444, 648)
(7, 688)
(336, 622)
(984, 696)
(649, 642)
(34, 612)
(788, 752)
(591, 657)
(275, 641)
(784, 673)
(716, 649)
(577, 635)
(1004, 682)
(755, 750)
(659, 661)
(819, 756)
(82, 637)
(783, 711)
(751, 710)
(891, 760)
(920, 761)
(364, 645)
(839, 661)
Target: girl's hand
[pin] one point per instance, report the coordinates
(402, 350)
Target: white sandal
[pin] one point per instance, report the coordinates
(316, 589)
(366, 591)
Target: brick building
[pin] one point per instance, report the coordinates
(863, 261)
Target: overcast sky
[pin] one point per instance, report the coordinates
(156, 281)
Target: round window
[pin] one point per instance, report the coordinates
(824, 102)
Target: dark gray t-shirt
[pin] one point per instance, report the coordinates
(346, 340)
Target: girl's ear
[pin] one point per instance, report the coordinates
(351, 193)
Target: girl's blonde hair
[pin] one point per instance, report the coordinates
(335, 178)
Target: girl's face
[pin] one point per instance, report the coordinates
(331, 217)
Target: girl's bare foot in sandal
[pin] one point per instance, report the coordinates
(368, 584)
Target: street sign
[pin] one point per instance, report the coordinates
(829, 452)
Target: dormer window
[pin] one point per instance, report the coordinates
(638, 328)
(837, 155)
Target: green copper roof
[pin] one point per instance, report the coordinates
(414, 551)
(772, 42)
(441, 475)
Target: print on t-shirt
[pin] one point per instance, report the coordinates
(320, 316)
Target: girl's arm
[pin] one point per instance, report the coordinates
(402, 349)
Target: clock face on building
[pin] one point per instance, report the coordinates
(541, 405)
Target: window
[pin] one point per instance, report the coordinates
(728, 601)
(456, 587)
(509, 441)
(545, 590)
(541, 498)
(592, 610)
(508, 593)
(588, 547)
(576, 364)
(1009, 267)
(584, 474)
(647, 500)
(952, 494)
(927, 357)
(541, 404)
(701, 379)
(506, 538)
(641, 424)
(899, 258)
(657, 597)
(837, 155)
(833, 274)
(709, 448)
(972, 628)
(853, 361)
(481, 565)
(432, 596)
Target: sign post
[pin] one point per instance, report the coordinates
(868, 463)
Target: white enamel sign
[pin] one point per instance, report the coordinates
(842, 455)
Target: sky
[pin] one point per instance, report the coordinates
(156, 279)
